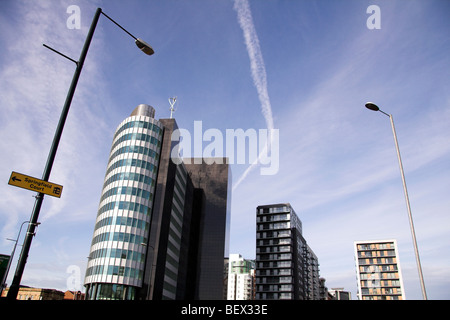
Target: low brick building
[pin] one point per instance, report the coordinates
(26, 293)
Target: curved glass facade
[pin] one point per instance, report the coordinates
(116, 259)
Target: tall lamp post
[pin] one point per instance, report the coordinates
(147, 49)
(374, 107)
(12, 255)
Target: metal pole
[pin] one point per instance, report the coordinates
(11, 257)
(14, 289)
(411, 224)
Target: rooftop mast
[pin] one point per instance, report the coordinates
(172, 103)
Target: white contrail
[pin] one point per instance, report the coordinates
(256, 60)
(257, 67)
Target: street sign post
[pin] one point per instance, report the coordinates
(34, 184)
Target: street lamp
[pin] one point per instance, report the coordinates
(3, 286)
(141, 44)
(374, 107)
(147, 49)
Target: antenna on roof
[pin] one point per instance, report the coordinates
(172, 103)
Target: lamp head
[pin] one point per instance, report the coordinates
(372, 106)
(144, 46)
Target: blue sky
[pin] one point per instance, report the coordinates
(312, 64)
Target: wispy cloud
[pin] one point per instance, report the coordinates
(34, 84)
(258, 71)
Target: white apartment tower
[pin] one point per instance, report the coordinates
(378, 270)
(241, 275)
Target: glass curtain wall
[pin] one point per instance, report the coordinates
(116, 260)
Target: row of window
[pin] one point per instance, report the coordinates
(274, 296)
(376, 246)
(131, 191)
(273, 249)
(363, 261)
(276, 217)
(272, 280)
(385, 297)
(275, 241)
(110, 291)
(123, 221)
(119, 236)
(381, 253)
(115, 271)
(139, 124)
(135, 149)
(380, 291)
(275, 209)
(273, 234)
(133, 176)
(275, 256)
(125, 205)
(118, 253)
(274, 287)
(132, 163)
(380, 275)
(274, 226)
(137, 136)
(274, 264)
(380, 283)
(373, 269)
(273, 272)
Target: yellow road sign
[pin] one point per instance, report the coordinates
(34, 184)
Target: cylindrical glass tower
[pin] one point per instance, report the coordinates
(118, 248)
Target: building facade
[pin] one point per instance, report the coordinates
(172, 205)
(241, 278)
(339, 294)
(118, 250)
(313, 283)
(149, 232)
(211, 179)
(378, 270)
(27, 293)
(286, 267)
